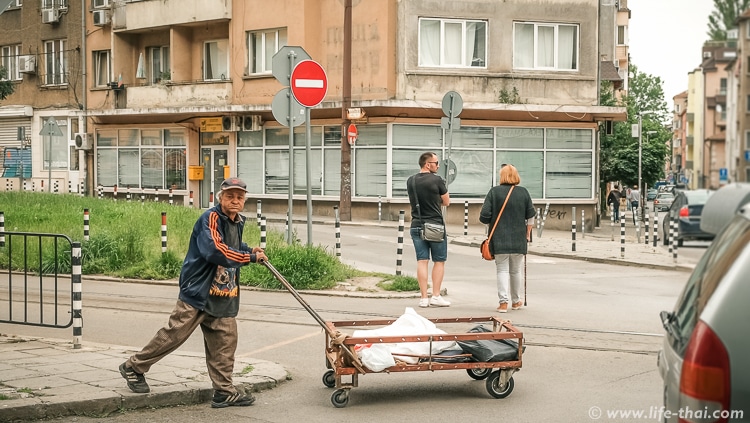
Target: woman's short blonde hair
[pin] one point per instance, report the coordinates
(509, 175)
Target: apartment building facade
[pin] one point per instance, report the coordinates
(181, 95)
(677, 169)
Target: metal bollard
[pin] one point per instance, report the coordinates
(538, 218)
(573, 230)
(143, 197)
(257, 210)
(114, 193)
(127, 194)
(400, 245)
(211, 198)
(656, 227)
(612, 222)
(171, 198)
(466, 218)
(380, 209)
(583, 223)
(675, 232)
(2, 229)
(156, 195)
(622, 236)
(191, 199)
(544, 217)
(75, 279)
(638, 231)
(337, 226)
(263, 232)
(100, 191)
(645, 221)
(85, 224)
(163, 232)
(81, 189)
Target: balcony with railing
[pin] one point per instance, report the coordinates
(138, 15)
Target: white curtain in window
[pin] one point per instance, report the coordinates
(332, 171)
(250, 169)
(277, 171)
(452, 50)
(523, 46)
(215, 61)
(128, 167)
(569, 175)
(545, 47)
(300, 171)
(106, 167)
(371, 172)
(476, 52)
(429, 42)
(567, 47)
(101, 72)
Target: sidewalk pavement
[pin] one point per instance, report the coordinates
(44, 378)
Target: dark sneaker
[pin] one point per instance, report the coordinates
(226, 399)
(136, 381)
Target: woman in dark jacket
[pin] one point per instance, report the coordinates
(513, 231)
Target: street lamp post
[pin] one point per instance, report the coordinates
(640, 153)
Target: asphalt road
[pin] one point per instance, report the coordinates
(592, 333)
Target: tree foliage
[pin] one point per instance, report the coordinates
(6, 87)
(724, 17)
(619, 151)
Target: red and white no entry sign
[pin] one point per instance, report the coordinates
(309, 83)
(351, 134)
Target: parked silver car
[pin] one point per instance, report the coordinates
(663, 201)
(704, 359)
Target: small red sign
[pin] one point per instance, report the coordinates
(351, 134)
(309, 83)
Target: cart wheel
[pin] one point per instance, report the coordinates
(479, 374)
(494, 388)
(329, 379)
(340, 398)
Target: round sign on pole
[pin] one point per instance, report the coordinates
(351, 134)
(309, 83)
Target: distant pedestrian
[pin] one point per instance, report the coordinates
(613, 199)
(634, 197)
(427, 193)
(509, 242)
(209, 297)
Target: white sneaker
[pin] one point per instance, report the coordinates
(424, 302)
(439, 301)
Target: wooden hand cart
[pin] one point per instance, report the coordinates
(345, 367)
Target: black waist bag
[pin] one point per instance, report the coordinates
(487, 350)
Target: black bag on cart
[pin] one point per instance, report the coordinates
(490, 350)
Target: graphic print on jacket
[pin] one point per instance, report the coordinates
(224, 283)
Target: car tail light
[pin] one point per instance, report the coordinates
(684, 212)
(704, 379)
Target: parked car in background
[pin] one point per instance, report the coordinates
(687, 207)
(704, 358)
(663, 201)
(651, 194)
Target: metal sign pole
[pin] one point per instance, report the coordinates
(290, 118)
(308, 137)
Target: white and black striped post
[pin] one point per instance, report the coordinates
(85, 224)
(668, 235)
(55, 186)
(257, 211)
(191, 199)
(75, 279)
(143, 197)
(33, 186)
(645, 221)
(656, 227)
(81, 187)
(2, 229)
(263, 232)
(24, 185)
(573, 230)
(612, 222)
(8, 185)
(286, 228)
(171, 197)
(622, 236)
(400, 244)
(163, 232)
(127, 193)
(337, 227)
(583, 223)
(544, 217)
(156, 195)
(70, 186)
(675, 232)
(637, 230)
(114, 192)
(538, 218)
(211, 198)
(380, 209)
(466, 218)
(100, 190)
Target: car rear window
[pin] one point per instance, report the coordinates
(697, 197)
(704, 279)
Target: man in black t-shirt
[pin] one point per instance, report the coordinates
(427, 194)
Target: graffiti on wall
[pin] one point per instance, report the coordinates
(16, 162)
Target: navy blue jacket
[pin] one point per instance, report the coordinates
(206, 252)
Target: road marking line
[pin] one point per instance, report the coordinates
(279, 344)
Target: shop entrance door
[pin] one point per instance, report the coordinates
(214, 161)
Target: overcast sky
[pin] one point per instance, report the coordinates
(666, 37)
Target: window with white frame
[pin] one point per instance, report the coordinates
(158, 67)
(622, 35)
(54, 4)
(100, 4)
(452, 43)
(15, 3)
(55, 149)
(152, 158)
(9, 60)
(56, 62)
(261, 46)
(216, 60)
(102, 70)
(547, 46)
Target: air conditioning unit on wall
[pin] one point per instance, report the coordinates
(231, 123)
(251, 123)
(50, 15)
(27, 64)
(101, 17)
(84, 141)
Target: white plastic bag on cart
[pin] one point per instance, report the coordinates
(376, 357)
(408, 324)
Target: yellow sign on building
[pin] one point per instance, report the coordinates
(211, 124)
